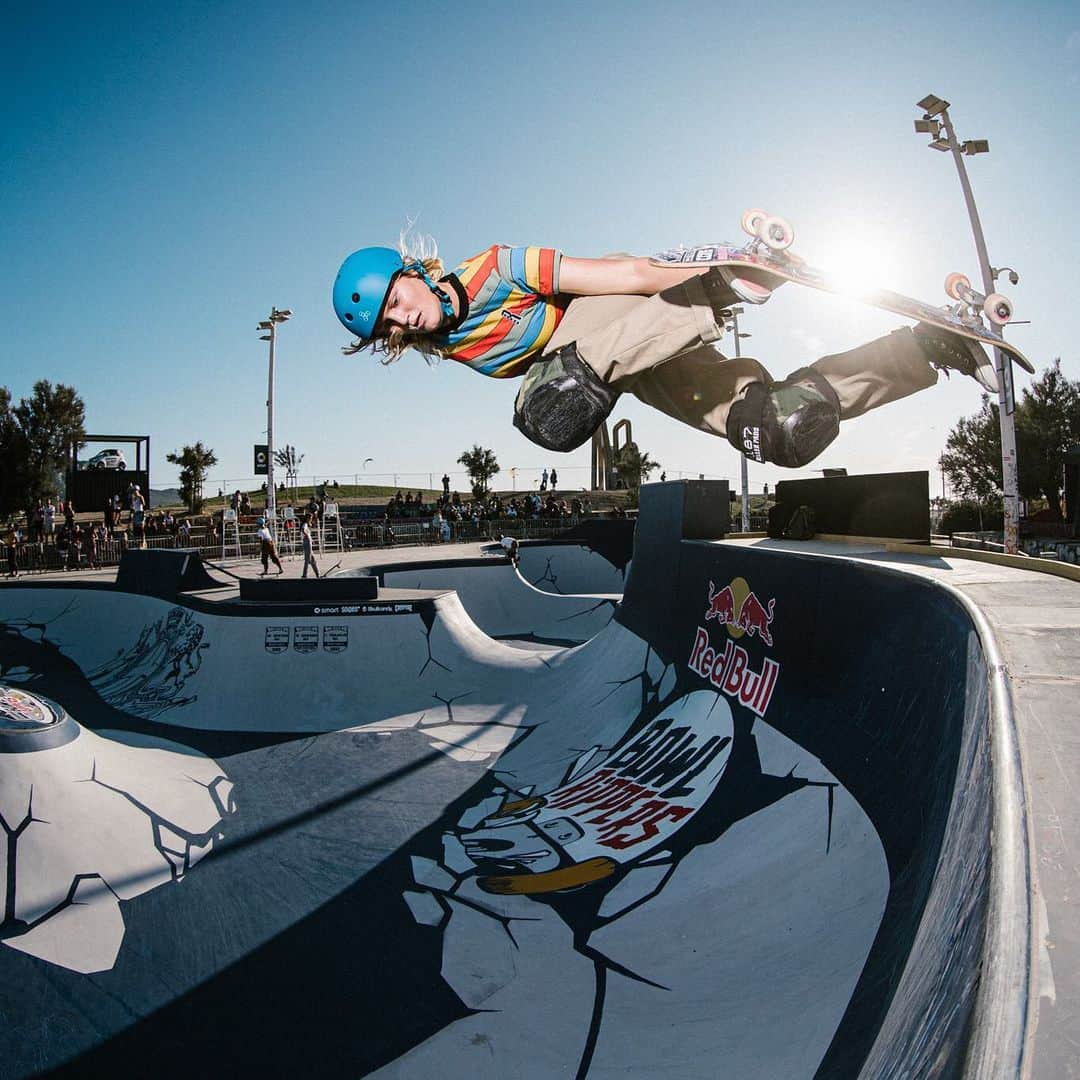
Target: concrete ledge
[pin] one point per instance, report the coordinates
(1017, 562)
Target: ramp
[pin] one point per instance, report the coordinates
(744, 829)
(501, 602)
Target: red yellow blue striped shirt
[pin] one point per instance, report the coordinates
(514, 308)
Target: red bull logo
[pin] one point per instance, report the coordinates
(730, 669)
(721, 605)
(20, 709)
(738, 608)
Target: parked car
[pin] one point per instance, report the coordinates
(107, 459)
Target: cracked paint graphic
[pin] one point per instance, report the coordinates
(90, 824)
(429, 618)
(526, 873)
(549, 576)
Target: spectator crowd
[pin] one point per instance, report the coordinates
(51, 538)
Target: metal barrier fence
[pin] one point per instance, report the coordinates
(49, 555)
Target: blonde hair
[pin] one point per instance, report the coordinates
(413, 247)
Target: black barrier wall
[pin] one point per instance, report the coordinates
(893, 505)
(883, 680)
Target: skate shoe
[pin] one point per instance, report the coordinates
(951, 352)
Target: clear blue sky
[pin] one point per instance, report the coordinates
(170, 172)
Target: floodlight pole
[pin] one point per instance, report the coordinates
(744, 475)
(271, 325)
(1002, 364)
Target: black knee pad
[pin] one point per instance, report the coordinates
(562, 401)
(788, 423)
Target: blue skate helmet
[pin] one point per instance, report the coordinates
(363, 282)
(261, 521)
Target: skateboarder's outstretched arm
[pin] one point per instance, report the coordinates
(624, 276)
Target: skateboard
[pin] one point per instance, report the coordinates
(971, 315)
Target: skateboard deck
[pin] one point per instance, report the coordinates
(971, 315)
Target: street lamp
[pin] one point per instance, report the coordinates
(935, 118)
(271, 324)
(731, 317)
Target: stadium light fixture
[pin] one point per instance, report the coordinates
(932, 105)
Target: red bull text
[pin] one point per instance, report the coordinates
(729, 670)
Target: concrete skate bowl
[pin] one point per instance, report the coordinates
(244, 838)
(593, 557)
(501, 602)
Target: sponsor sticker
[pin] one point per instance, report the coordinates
(729, 667)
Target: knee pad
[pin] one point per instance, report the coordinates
(562, 401)
(788, 423)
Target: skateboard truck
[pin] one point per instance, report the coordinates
(996, 307)
(768, 230)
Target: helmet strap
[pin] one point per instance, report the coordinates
(440, 295)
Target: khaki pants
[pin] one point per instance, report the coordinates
(658, 348)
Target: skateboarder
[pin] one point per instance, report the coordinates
(267, 548)
(583, 331)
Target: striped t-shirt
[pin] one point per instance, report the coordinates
(514, 308)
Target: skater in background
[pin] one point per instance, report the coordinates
(305, 540)
(267, 549)
(583, 331)
(510, 546)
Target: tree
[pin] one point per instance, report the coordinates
(1047, 424)
(13, 456)
(634, 467)
(50, 421)
(972, 457)
(290, 461)
(481, 467)
(194, 461)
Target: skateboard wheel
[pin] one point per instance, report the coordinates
(750, 220)
(954, 283)
(775, 233)
(998, 309)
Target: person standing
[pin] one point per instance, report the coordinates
(267, 548)
(12, 544)
(138, 515)
(309, 550)
(554, 479)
